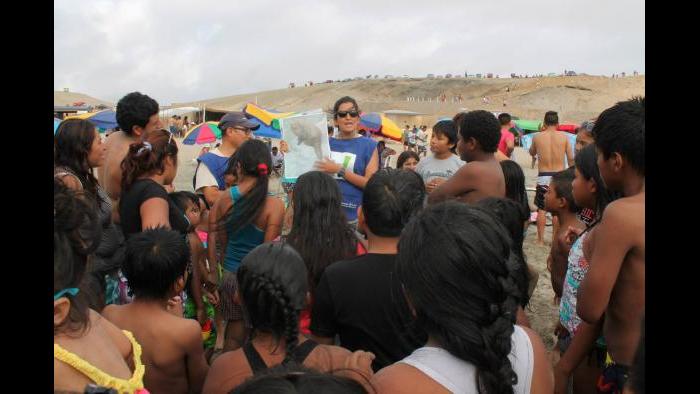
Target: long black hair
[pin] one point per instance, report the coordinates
(76, 235)
(515, 185)
(272, 284)
(465, 297)
(510, 214)
(320, 230)
(587, 165)
(253, 159)
(148, 156)
(72, 145)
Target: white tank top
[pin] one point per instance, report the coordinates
(459, 376)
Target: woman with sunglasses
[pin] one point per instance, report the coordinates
(354, 158)
(147, 168)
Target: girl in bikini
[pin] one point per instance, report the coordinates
(87, 348)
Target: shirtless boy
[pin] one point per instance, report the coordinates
(550, 146)
(615, 283)
(155, 265)
(559, 201)
(482, 176)
(137, 114)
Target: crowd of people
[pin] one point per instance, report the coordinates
(389, 280)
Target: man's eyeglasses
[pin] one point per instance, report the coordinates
(343, 114)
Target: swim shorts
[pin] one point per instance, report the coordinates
(543, 179)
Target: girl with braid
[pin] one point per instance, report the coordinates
(272, 290)
(465, 298)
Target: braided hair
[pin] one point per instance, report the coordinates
(273, 284)
(466, 296)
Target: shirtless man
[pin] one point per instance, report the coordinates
(550, 146)
(615, 283)
(155, 266)
(137, 114)
(482, 176)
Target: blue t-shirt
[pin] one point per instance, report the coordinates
(357, 153)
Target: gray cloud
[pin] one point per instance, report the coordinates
(181, 51)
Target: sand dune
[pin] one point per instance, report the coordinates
(575, 98)
(68, 98)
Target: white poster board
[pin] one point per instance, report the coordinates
(306, 135)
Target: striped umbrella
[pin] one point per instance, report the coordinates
(202, 133)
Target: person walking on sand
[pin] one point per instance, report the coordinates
(550, 146)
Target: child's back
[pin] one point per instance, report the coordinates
(169, 344)
(482, 176)
(172, 345)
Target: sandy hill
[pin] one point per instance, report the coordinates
(575, 98)
(68, 98)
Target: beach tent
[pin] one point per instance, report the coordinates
(528, 126)
(267, 119)
(105, 120)
(379, 124)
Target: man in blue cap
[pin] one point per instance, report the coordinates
(235, 128)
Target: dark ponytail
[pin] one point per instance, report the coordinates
(273, 285)
(148, 157)
(466, 296)
(252, 159)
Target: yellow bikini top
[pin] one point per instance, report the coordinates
(131, 386)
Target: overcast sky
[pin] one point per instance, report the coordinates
(179, 51)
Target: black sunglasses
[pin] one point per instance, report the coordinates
(342, 114)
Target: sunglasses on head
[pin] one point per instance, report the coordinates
(342, 114)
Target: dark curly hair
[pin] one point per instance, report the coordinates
(483, 127)
(620, 129)
(72, 145)
(272, 282)
(76, 234)
(465, 297)
(135, 109)
(148, 157)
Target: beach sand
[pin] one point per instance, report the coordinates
(543, 314)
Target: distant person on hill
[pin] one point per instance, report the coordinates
(551, 147)
(482, 176)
